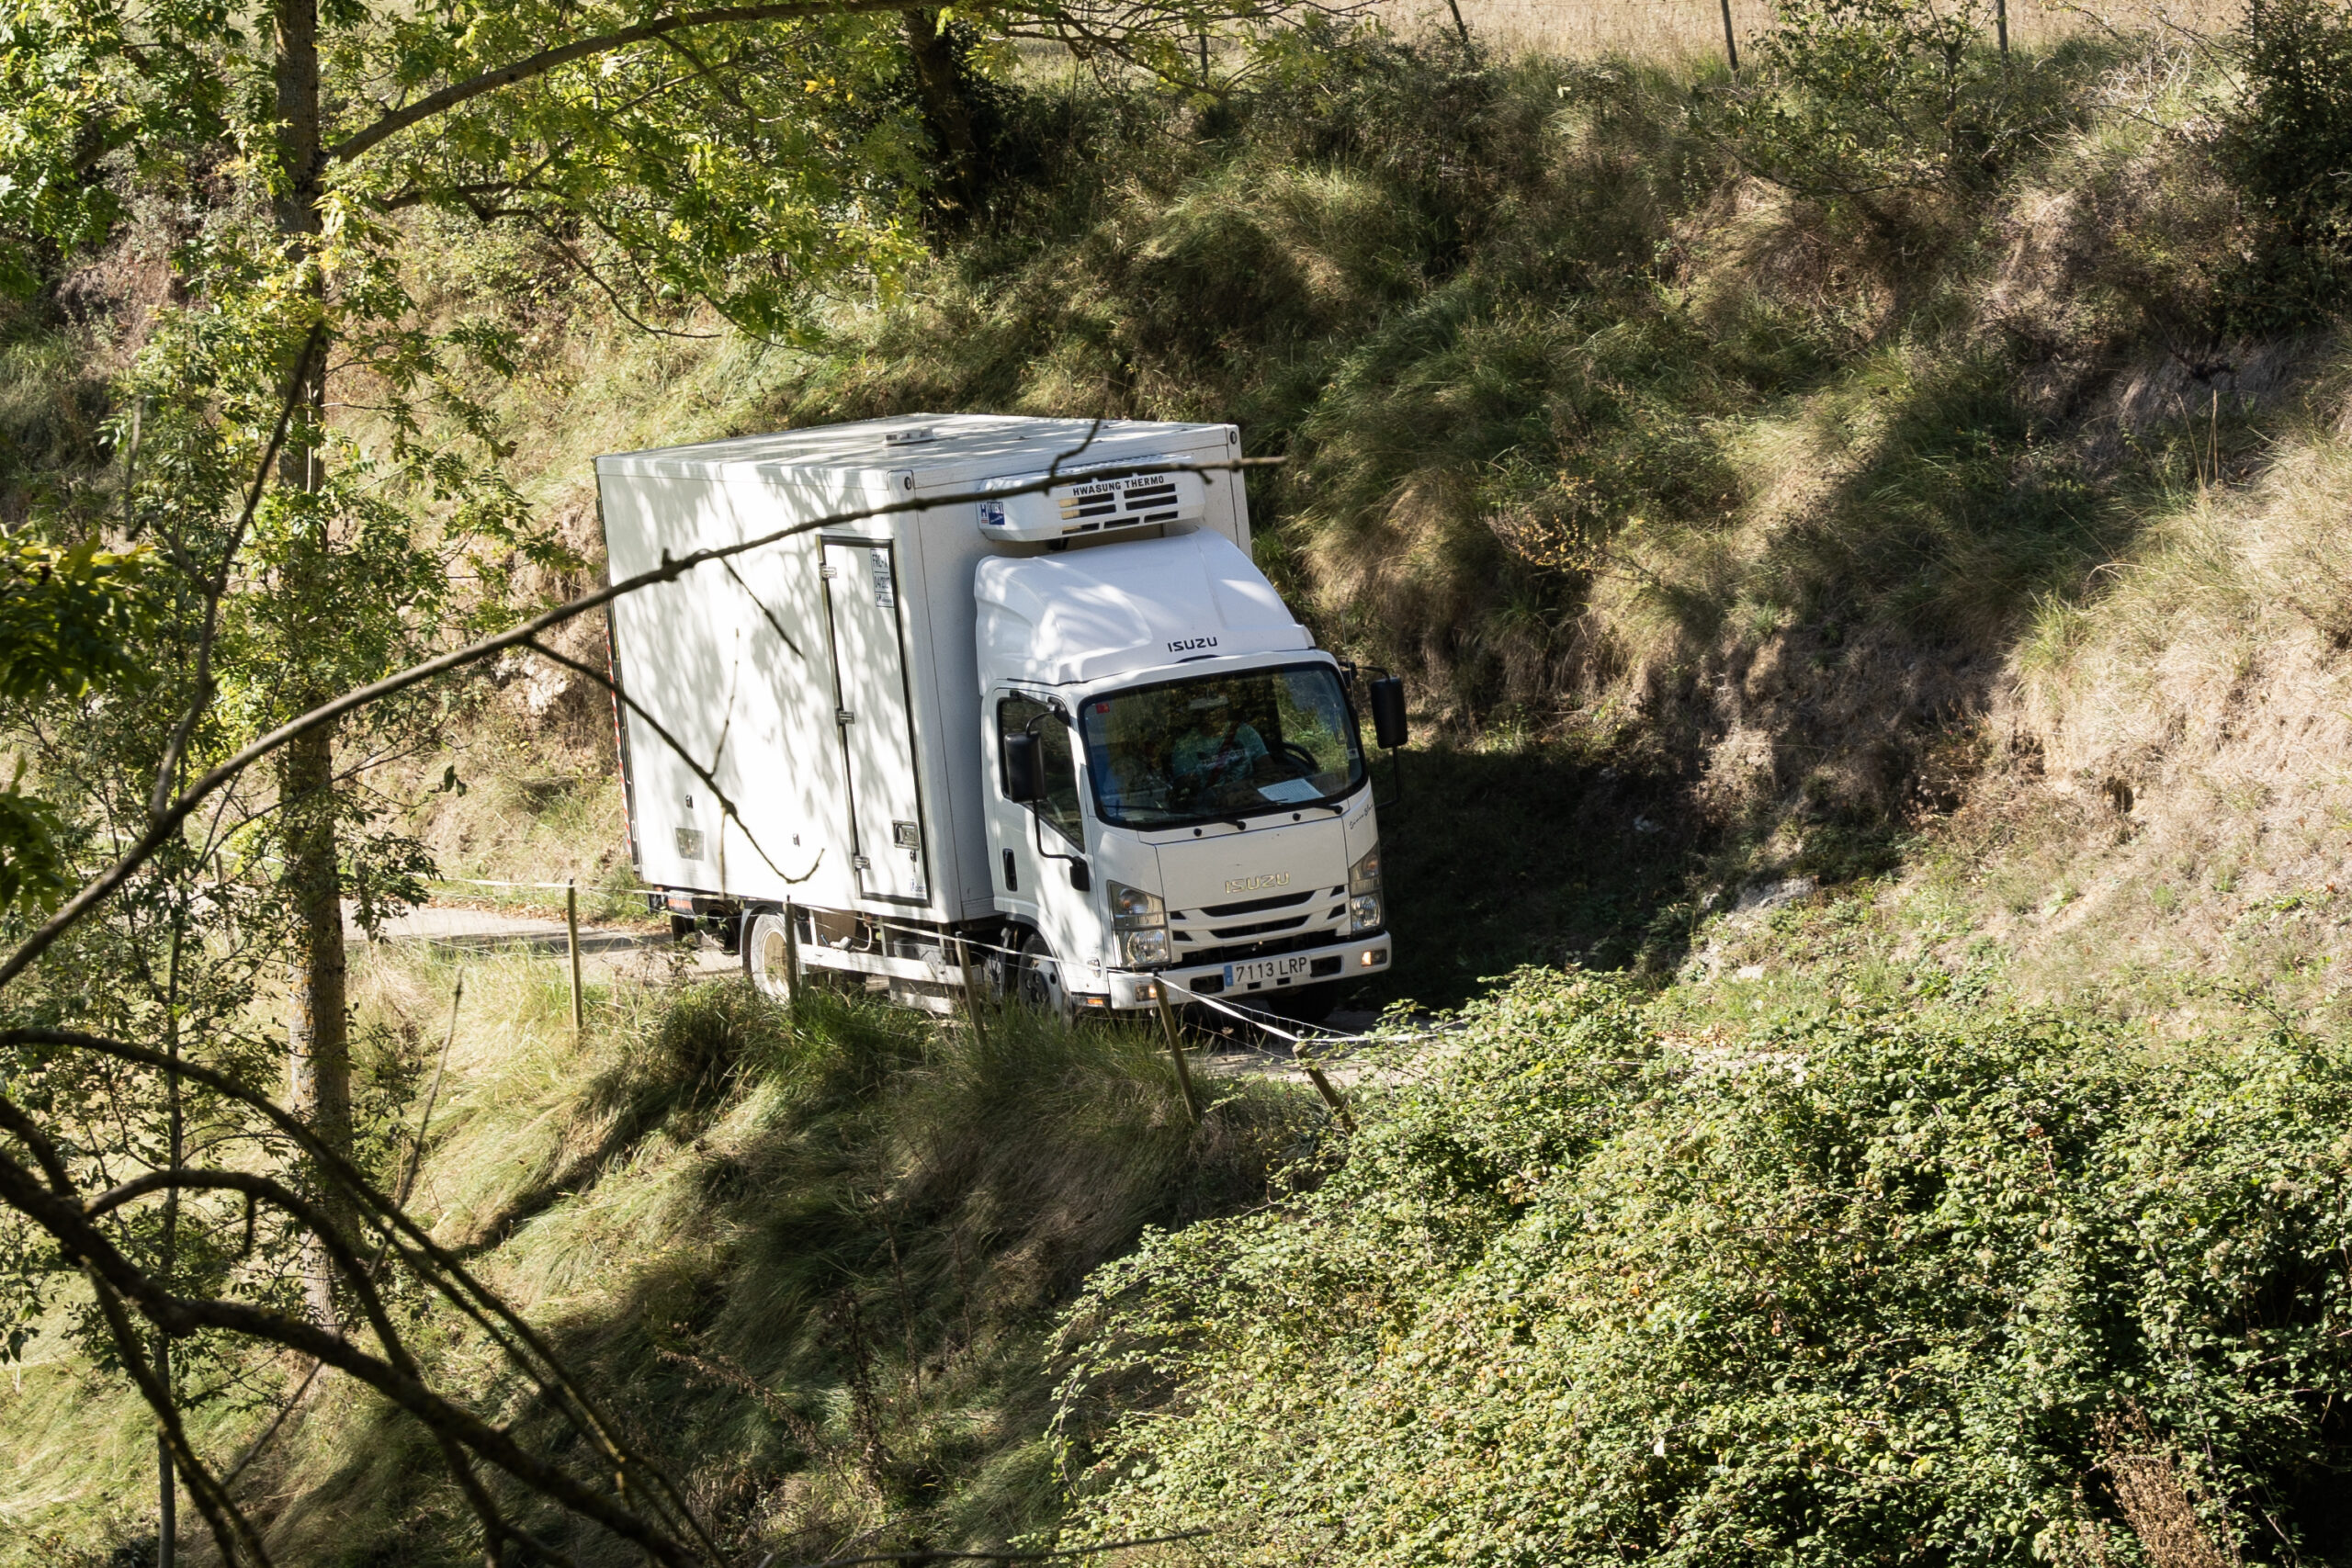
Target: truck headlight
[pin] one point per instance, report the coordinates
(1363, 892)
(1141, 919)
(1142, 948)
(1134, 908)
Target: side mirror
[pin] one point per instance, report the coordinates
(1024, 773)
(1387, 695)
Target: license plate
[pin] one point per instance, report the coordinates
(1264, 971)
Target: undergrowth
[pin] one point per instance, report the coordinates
(1945, 1283)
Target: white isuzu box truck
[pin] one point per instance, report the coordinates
(1050, 730)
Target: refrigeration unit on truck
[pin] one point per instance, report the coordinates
(1045, 728)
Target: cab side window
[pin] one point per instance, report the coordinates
(1059, 810)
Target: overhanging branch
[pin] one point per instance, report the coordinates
(168, 822)
(547, 60)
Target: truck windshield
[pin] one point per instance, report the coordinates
(1216, 746)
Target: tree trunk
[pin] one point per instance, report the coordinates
(946, 114)
(167, 1494)
(317, 1040)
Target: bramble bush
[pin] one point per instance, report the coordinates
(1862, 1288)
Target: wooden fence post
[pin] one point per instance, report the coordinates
(1731, 48)
(791, 951)
(572, 940)
(1176, 1049)
(971, 991)
(1331, 1096)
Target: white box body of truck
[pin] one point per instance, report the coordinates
(817, 725)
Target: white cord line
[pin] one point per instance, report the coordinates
(943, 937)
(1327, 1044)
(1255, 1017)
(486, 882)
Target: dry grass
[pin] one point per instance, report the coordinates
(811, 1253)
(2187, 720)
(1671, 30)
(2156, 1499)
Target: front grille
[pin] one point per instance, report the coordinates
(1238, 951)
(1279, 901)
(1255, 939)
(1260, 927)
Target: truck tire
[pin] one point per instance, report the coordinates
(1040, 981)
(767, 955)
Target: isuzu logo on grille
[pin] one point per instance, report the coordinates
(1252, 883)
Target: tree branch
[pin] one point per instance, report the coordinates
(547, 60)
(102, 887)
(709, 779)
(109, 1269)
(442, 1272)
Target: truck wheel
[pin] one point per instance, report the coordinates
(1040, 979)
(767, 955)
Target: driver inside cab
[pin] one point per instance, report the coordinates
(1215, 749)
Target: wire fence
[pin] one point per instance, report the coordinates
(1675, 29)
(1312, 1047)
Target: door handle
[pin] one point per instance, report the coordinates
(843, 716)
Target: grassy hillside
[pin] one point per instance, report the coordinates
(813, 1258)
(1858, 617)
(1732, 536)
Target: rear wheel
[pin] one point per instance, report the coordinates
(767, 955)
(1040, 979)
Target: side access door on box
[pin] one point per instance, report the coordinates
(874, 715)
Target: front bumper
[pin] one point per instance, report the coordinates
(1358, 958)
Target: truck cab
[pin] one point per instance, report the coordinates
(1179, 797)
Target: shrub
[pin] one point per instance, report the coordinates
(2289, 143)
(1867, 1288)
(1856, 100)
